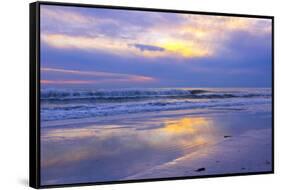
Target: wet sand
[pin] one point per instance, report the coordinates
(166, 144)
(249, 152)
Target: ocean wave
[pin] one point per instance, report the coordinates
(94, 110)
(133, 94)
(74, 104)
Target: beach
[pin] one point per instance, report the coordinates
(228, 135)
(132, 95)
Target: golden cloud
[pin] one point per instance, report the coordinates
(193, 36)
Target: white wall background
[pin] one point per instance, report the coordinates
(14, 75)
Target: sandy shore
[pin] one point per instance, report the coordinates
(249, 152)
(168, 144)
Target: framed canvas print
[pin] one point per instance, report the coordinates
(122, 94)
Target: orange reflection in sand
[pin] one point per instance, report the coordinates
(183, 135)
(189, 132)
(186, 125)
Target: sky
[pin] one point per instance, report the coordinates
(105, 48)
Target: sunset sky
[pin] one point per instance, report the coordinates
(105, 48)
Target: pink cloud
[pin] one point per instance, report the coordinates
(100, 77)
(67, 81)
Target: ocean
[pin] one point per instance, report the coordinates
(66, 104)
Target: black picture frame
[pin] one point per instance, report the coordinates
(34, 92)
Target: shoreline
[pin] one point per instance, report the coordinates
(147, 115)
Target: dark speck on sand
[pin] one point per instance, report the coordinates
(227, 136)
(200, 169)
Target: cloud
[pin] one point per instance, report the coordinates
(144, 47)
(95, 77)
(152, 35)
(87, 43)
(64, 15)
(67, 81)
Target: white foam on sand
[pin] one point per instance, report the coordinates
(249, 152)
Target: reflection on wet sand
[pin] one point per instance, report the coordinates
(113, 152)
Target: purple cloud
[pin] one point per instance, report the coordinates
(144, 47)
